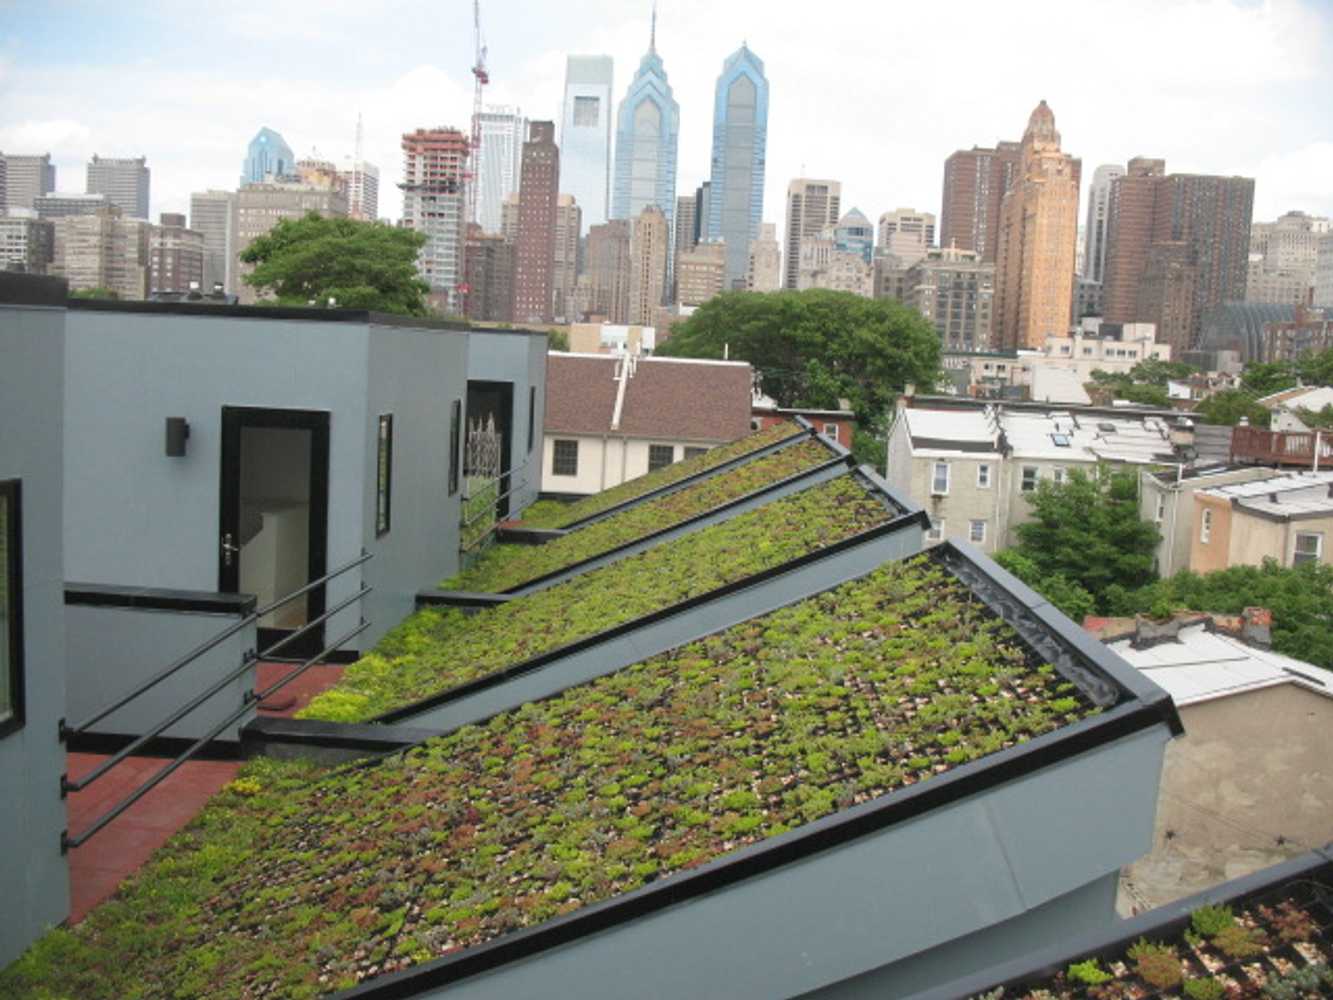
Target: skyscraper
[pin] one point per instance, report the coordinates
(1034, 257)
(534, 251)
(1099, 201)
(260, 207)
(213, 213)
(740, 141)
(702, 211)
(568, 222)
(433, 163)
(765, 274)
(647, 130)
(267, 155)
(585, 136)
(361, 181)
(123, 181)
(490, 277)
(907, 234)
(503, 131)
(812, 206)
(855, 234)
(974, 182)
(648, 256)
(175, 256)
(28, 178)
(608, 270)
(102, 250)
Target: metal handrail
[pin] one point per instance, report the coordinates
(209, 644)
(66, 841)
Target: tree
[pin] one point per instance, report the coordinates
(1229, 405)
(1087, 532)
(1069, 597)
(813, 348)
(1264, 377)
(1316, 419)
(360, 265)
(1316, 367)
(1154, 371)
(557, 340)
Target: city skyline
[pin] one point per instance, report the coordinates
(58, 82)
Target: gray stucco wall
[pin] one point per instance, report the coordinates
(881, 901)
(415, 375)
(34, 876)
(520, 358)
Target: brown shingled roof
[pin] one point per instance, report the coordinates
(666, 398)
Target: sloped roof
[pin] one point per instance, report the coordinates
(580, 393)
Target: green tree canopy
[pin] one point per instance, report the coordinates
(1154, 371)
(1087, 532)
(1229, 405)
(1262, 378)
(361, 265)
(1057, 588)
(1316, 419)
(1316, 367)
(1145, 383)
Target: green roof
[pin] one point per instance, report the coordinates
(296, 884)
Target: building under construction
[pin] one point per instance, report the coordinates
(434, 165)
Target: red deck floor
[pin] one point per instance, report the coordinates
(118, 850)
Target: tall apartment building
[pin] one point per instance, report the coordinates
(360, 181)
(499, 160)
(102, 250)
(975, 181)
(534, 249)
(1283, 258)
(1323, 272)
(568, 225)
(1094, 233)
(433, 204)
(124, 181)
(490, 277)
(1034, 258)
(26, 243)
(28, 178)
(888, 276)
(700, 273)
(58, 204)
(812, 207)
(1177, 246)
(509, 218)
(213, 215)
(175, 256)
(907, 234)
(648, 255)
(267, 157)
(4, 194)
(647, 135)
(607, 270)
(260, 207)
(585, 135)
(765, 271)
(684, 238)
(955, 290)
(740, 142)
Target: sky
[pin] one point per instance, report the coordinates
(875, 95)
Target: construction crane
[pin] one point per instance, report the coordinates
(480, 78)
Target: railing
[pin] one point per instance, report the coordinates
(481, 499)
(251, 697)
(1254, 444)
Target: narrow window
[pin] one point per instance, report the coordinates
(383, 474)
(939, 481)
(532, 417)
(660, 456)
(936, 532)
(1058, 475)
(1309, 547)
(1030, 474)
(11, 608)
(695, 452)
(831, 431)
(983, 476)
(455, 427)
(976, 532)
(565, 461)
(1206, 526)
(1161, 508)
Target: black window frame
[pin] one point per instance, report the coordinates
(11, 493)
(654, 466)
(556, 457)
(455, 428)
(532, 417)
(384, 472)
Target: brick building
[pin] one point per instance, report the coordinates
(534, 251)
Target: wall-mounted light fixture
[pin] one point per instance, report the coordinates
(178, 432)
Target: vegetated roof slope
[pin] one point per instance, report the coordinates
(555, 514)
(291, 889)
(506, 566)
(437, 649)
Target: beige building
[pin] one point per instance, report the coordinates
(509, 217)
(1034, 266)
(700, 274)
(611, 338)
(765, 270)
(955, 290)
(604, 286)
(27, 243)
(648, 257)
(176, 256)
(1287, 518)
(213, 213)
(908, 234)
(568, 225)
(812, 207)
(1166, 498)
(104, 250)
(823, 265)
(260, 207)
(1284, 256)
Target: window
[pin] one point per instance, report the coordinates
(1309, 547)
(11, 608)
(983, 476)
(936, 532)
(939, 480)
(1058, 475)
(1206, 526)
(565, 461)
(383, 474)
(1161, 508)
(1030, 474)
(585, 111)
(831, 431)
(455, 427)
(1060, 440)
(695, 452)
(976, 532)
(660, 456)
(532, 416)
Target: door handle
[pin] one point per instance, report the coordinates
(228, 549)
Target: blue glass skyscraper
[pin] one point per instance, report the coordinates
(740, 137)
(267, 154)
(855, 234)
(647, 131)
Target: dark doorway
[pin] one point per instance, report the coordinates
(273, 535)
(496, 401)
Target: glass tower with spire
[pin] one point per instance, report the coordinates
(647, 131)
(740, 137)
(267, 154)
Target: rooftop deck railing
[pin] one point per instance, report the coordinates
(1305, 448)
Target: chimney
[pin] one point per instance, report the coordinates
(1257, 627)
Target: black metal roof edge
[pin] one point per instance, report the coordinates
(1160, 923)
(831, 831)
(904, 503)
(680, 484)
(110, 595)
(1106, 666)
(680, 607)
(319, 734)
(539, 583)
